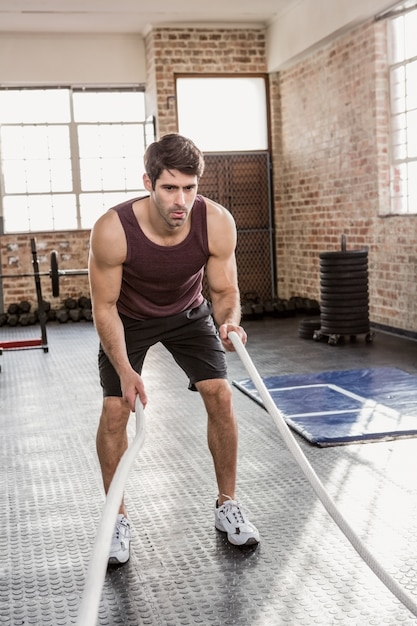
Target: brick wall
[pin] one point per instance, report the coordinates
(329, 134)
(16, 258)
(331, 173)
(197, 51)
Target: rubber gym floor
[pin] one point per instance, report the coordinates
(182, 571)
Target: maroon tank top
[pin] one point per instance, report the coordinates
(159, 280)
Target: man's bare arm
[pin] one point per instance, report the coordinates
(107, 252)
(222, 273)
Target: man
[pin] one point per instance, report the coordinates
(147, 259)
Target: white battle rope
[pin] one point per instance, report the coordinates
(315, 482)
(88, 612)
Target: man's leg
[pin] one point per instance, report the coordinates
(221, 433)
(112, 439)
(111, 444)
(229, 516)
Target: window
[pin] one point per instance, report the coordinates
(403, 104)
(67, 155)
(223, 113)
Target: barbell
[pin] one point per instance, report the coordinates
(54, 273)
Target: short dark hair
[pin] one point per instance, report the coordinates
(173, 152)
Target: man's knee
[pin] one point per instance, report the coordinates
(215, 392)
(115, 414)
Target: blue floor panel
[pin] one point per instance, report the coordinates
(341, 407)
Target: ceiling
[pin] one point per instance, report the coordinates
(133, 16)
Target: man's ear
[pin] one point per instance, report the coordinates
(147, 183)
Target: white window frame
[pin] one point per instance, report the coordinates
(107, 197)
(403, 112)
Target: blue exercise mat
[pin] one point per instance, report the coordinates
(352, 406)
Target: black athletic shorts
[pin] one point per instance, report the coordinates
(191, 337)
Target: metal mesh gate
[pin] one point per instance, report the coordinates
(240, 181)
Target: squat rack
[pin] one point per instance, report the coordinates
(42, 342)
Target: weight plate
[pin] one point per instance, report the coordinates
(329, 290)
(352, 254)
(54, 274)
(307, 328)
(341, 271)
(341, 317)
(337, 297)
(340, 267)
(334, 310)
(346, 285)
(341, 310)
(339, 329)
(343, 276)
(309, 325)
(347, 282)
(336, 269)
(361, 258)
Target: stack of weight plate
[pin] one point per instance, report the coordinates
(344, 306)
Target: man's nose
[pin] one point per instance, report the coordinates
(180, 198)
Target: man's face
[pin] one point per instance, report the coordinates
(173, 196)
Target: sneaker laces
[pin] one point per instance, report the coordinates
(233, 509)
(121, 529)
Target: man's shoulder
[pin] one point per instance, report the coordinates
(107, 240)
(128, 204)
(217, 211)
(221, 228)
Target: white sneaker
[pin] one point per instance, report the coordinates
(120, 542)
(231, 518)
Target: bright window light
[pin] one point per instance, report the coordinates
(63, 150)
(403, 108)
(223, 114)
